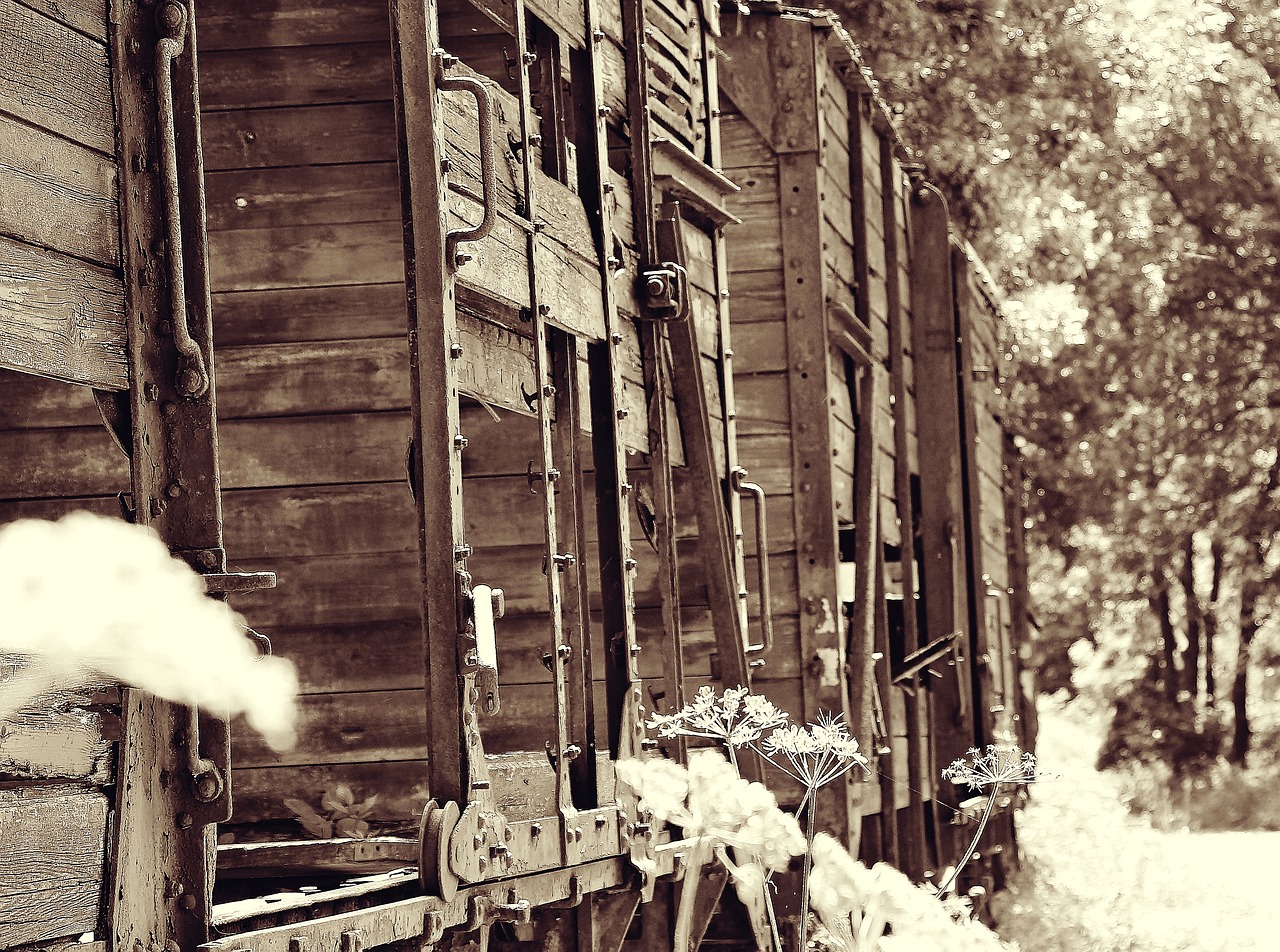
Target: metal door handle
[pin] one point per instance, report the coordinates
(487, 604)
(171, 19)
(738, 480)
(488, 172)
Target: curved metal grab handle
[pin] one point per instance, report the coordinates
(488, 171)
(738, 480)
(171, 18)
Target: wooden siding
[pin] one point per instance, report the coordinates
(61, 293)
(49, 893)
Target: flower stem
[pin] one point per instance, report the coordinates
(982, 825)
(812, 798)
(699, 855)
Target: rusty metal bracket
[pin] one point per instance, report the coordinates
(484, 911)
(664, 288)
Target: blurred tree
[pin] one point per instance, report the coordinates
(1116, 164)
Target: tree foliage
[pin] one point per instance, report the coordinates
(1118, 164)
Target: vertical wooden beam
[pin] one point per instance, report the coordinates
(653, 340)
(968, 311)
(794, 49)
(944, 566)
(869, 591)
(714, 533)
(163, 857)
(433, 384)
(572, 515)
(604, 361)
(913, 830)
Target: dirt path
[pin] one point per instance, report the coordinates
(1097, 880)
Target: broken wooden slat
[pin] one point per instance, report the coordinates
(374, 854)
(57, 739)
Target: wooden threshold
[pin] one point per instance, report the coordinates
(377, 854)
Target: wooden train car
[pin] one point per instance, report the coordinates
(868, 380)
(407, 326)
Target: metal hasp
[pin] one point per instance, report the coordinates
(743, 487)
(664, 289)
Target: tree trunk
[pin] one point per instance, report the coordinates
(1191, 653)
(1251, 595)
(1211, 626)
(1168, 642)
(1241, 732)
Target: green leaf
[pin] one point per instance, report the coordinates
(311, 821)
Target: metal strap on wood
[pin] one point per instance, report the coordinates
(434, 351)
(562, 750)
(172, 781)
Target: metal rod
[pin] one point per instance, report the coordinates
(738, 479)
(171, 18)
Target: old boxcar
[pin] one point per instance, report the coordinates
(407, 326)
(868, 373)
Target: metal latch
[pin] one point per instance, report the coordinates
(487, 604)
(664, 288)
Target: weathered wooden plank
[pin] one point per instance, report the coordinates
(523, 786)
(292, 315)
(341, 448)
(390, 725)
(762, 403)
(314, 377)
(759, 346)
(298, 76)
(58, 194)
(756, 296)
(61, 317)
(87, 16)
(55, 738)
(305, 135)
(306, 256)
(260, 792)
(50, 893)
(75, 99)
(230, 24)
(27, 401)
(306, 195)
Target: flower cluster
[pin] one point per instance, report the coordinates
(89, 596)
(993, 766)
(736, 718)
(709, 799)
(719, 813)
(814, 755)
(856, 905)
